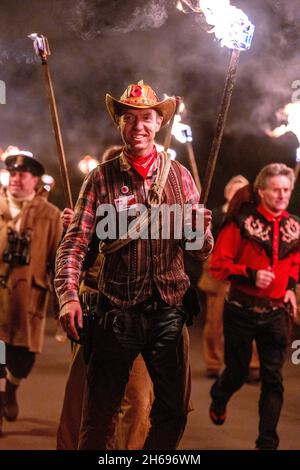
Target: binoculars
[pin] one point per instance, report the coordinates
(18, 248)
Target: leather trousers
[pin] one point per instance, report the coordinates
(155, 331)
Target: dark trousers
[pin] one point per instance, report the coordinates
(2, 371)
(19, 360)
(156, 333)
(270, 331)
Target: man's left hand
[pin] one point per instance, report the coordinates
(290, 297)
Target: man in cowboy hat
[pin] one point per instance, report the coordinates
(142, 282)
(30, 230)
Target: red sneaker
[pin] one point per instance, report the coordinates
(217, 413)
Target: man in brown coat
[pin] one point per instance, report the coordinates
(30, 230)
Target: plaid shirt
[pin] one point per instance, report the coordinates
(129, 275)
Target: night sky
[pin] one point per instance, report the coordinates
(101, 46)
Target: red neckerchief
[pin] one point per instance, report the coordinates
(268, 215)
(141, 164)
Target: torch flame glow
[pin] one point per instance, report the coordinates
(171, 152)
(4, 178)
(230, 25)
(182, 132)
(40, 44)
(179, 6)
(291, 112)
(11, 150)
(48, 182)
(87, 164)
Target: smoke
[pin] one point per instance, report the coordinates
(288, 10)
(266, 76)
(17, 53)
(99, 17)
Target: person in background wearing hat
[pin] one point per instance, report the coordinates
(216, 290)
(30, 231)
(142, 283)
(257, 250)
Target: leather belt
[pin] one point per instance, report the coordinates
(151, 304)
(257, 304)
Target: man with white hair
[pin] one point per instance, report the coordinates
(258, 252)
(215, 290)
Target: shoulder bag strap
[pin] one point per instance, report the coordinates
(154, 200)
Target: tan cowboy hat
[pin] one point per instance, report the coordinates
(140, 96)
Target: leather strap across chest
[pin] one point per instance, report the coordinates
(153, 200)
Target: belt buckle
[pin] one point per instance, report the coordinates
(257, 309)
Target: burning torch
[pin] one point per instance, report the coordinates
(183, 133)
(291, 114)
(232, 29)
(168, 136)
(41, 47)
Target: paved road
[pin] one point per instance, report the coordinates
(41, 397)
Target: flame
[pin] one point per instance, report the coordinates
(194, 5)
(87, 164)
(48, 182)
(40, 45)
(182, 132)
(290, 113)
(4, 178)
(230, 25)
(179, 5)
(11, 150)
(171, 152)
(182, 108)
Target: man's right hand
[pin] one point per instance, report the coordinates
(70, 318)
(264, 277)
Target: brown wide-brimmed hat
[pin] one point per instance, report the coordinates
(140, 96)
(22, 160)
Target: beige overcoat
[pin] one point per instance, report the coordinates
(24, 290)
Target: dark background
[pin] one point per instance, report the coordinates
(101, 46)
